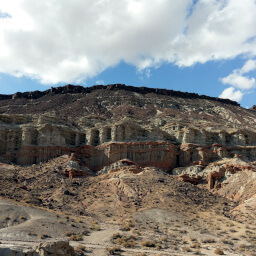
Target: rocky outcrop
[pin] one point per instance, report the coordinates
(193, 179)
(74, 168)
(105, 124)
(16, 252)
(28, 140)
(122, 165)
(111, 87)
(58, 248)
(253, 108)
(159, 154)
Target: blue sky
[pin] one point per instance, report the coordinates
(205, 46)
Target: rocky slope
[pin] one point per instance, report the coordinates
(38, 126)
(115, 153)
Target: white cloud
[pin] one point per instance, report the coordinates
(239, 81)
(100, 82)
(232, 94)
(68, 41)
(249, 65)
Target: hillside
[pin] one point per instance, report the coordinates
(152, 164)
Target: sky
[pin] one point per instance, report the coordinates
(202, 46)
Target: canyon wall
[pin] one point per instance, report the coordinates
(27, 140)
(104, 124)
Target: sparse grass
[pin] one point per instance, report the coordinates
(186, 249)
(86, 233)
(95, 226)
(32, 234)
(163, 239)
(76, 237)
(219, 251)
(116, 235)
(195, 245)
(44, 236)
(80, 248)
(197, 252)
(159, 246)
(208, 241)
(114, 251)
(148, 243)
(126, 227)
(128, 242)
(69, 233)
(225, 241)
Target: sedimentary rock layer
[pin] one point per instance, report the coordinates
(153, 127)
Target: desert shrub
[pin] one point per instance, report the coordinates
(76, 237)
(193, 239)
(186, 249)
(225, 241)
(86, 233)
(114, 251)
(204, 231)
(116, 235)
(148, 243)
(158, 246)
(44, 236)
(195, 245)
(135, 232)
(243, 247)
(126, 227)
(129, 244)
(125, 241)
(218, 251)
(209, 241)
(175, 248)
(69, 233)
(95, 227)
(32, 234)
(80, 248)
(164, 239)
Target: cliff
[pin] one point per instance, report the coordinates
(111, 87)
(104, 124)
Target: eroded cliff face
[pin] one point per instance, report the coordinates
(29, 140)
(106, 125)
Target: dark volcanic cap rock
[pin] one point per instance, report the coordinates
(112, 87)
(253, 108)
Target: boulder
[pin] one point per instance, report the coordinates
(58, 248)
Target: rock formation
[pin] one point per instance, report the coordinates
(58, 248)
(104, 124)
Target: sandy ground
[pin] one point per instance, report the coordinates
(16, 235)
(23, 223)
(22, 227)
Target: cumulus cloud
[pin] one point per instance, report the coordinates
(69, 41)
(249, 65)
(232, 94)
(238, 79)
